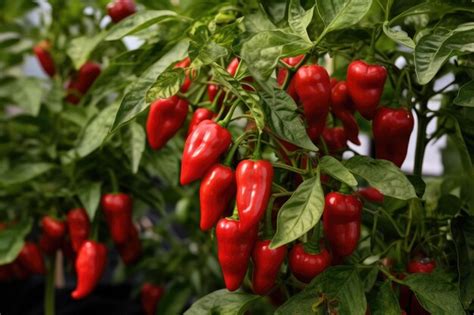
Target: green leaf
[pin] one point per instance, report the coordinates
(23, 172)
(437, 295)
(80, 48)
(138, 22)
(284, 119)
(136, 145)
(12, 240)
(463, 234)
(134, 101)
(174, 300)
(386, 302)
(466, 95)
(383, 175)
(206, 53)
(337, 170)
(399, 36)
(300, 213)
(89, 195)
(222, 302)
(28, 94)
(299, 19)
(168, 84)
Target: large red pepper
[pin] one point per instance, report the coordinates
(341, 221)
(120, 9)
(290, 62)
(234, 247)
(305, 265)
(42, 52)
(215, 193)
(365, 83)
(371, 194)
(266, 265)
(52, 236)
(31, 259)
(131, 250)
(199, 116)
(90, 265)
(392, 129)
(165, 118)
(150, 296)
(254, 186)
(82, 81)
(118, 214)
(343, 107)
(313, 89)
(335, 139)
(79, 226)
(202, 149)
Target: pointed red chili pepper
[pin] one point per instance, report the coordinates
(199, 116)
(335, 139)
(254, 186)
(82, 81)
(131, 250)
(120, 9)
(371, 194)
(202, 149)
(42, 52)
(304, 265)
(31, 259)
(215, 193)
(343, 107)
(79, 226)
(52, 236)
(267, 263)
(118, 214)
(150, 296)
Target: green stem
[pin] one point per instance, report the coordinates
(257, 155)
(235, 147)
(229, 115)
(312, 246)
(289, 168)
(421, 140)
(113, 181)
(49, 295)
(268, 228)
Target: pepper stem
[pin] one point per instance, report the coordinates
(235, 213)
(312, 246)
(229, 115)
(234, 148)
(257, 155)
(113, 180)
(49, 296)
(345, 189)
(268, 228)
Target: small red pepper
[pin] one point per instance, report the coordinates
(371, 194)
(79, 226)
(425, 265)
(234, 247)
(118, 214)
(254, 186)
(213, 89)
(289, 62)
(120, 9)
(131, 250)
(392, 129)
(52, 236)
(267, 263)
(187, 80)
(165, 118)
(202, 149)
(31, 259)
(42, 52)
(90, 265)
(82, 81)
(335, 139)
(199, 116)
(215, 193)
(365, 83)
(304, 265)
(150, 296)
(343, 107)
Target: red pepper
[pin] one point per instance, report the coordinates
(120, 9)
(18, 271)
(30, 258)
(213, 89)
(234, 247)
(371, 194)
(333, 82)
(187, 80)
(424, 265)
(335, 139)
(365, 83)
(42, 52)
(341, 221)
(392, 129)
(313, 88)
(79, 226)
(90, 265)
(131, 250)
(199, 116)
(343, 107)
(52, 236)
(165, 118)
(215, 193)
(304, 265)
(290, 62)
(254, 186)
(150, 296)
(267, 263)
(118, 214)
(202, 149)
(82, 81)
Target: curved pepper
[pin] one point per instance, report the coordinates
(305, 266)
(52, 236)
(120, 9)
(131, 250)
(82, 81)
(335, 139)
(215, 193)
(392, 129)
(90, 264)
(165, 118)
(199, 116)
(254, 186)
(343, 107)
(31, 259)
(41, 50)
(118, 214)
(365, 83)
(202, 149)
(267, 263)
(79, 226)
(371, 194)
(150, 296)
(234, 247)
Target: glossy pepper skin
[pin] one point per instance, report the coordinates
(234, 247)
(267, 263)
(131, 250)
(90, 265)
(31, 259)
(343, 107)
(424, 265)
(313, 90)
(150, 295)
(165, 118)
(289, 62)
(118, 214)
(254, 185)
(120, 9)
(365, 83)
(82, 81)
(371, 194)
(215, 193)
(79, 226)
(199, 116)
(53, 233)
(202, 149)
(341, 222)
(392, 129)
(42, 52)
(305, 266)
(335, 139)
